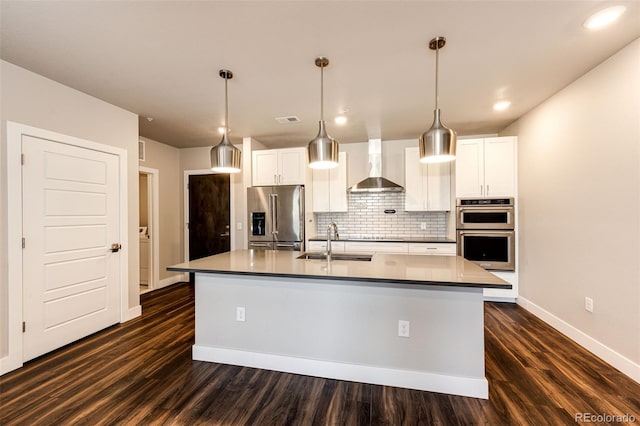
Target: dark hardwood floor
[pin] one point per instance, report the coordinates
(141, 373)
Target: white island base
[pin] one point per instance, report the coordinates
(345, 330)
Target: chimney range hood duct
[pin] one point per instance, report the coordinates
(375, 182)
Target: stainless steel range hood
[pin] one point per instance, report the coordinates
(375, 182)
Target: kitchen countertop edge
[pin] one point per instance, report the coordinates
(341, 278)
(205, 266)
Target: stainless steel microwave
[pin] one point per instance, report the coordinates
(485, 213)
(493, 249)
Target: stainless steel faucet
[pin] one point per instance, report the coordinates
(331, 229)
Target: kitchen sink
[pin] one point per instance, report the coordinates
(337, 256)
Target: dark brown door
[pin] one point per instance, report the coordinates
(209, 231)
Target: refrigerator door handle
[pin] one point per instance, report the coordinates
(271, 210)
(274, 213)
(255, 244)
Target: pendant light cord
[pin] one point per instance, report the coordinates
(322, 93)
(226, 106)
(437, 49)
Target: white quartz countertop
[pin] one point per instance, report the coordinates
(454, 271)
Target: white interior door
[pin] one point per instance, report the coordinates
(70, 220)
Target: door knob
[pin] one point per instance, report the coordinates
(115, 247)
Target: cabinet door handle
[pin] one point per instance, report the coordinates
(481, 189)
(275, 178)
(487, 190)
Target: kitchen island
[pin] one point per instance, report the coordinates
(342, 319)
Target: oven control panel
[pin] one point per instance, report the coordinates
(485, 201)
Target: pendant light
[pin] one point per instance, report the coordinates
(438, 144)
(323, 149)
(225, 158)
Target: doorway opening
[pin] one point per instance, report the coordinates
(149, 180)
(208, 211)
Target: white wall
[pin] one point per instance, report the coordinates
(166, 159)
(31, 99)
(579, 204)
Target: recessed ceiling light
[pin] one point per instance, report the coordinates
(604, 17)
(501, 106)
(149, 119)
(340, 119)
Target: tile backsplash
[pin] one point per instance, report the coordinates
(366, 218)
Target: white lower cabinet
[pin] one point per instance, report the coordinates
(375, 247)
(321, 246)
(503, 295)
(441, 249)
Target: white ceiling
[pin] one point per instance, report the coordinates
(161, 60)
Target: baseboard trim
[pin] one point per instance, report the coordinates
(594, 346)
(500, 299)
(132, 313)
(173, 279)
(455, 385)
(8, 364)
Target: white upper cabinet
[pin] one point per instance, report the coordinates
(486, 167)
(329, 187)
(500, 167)
(427, 186)
(279, 167)
(469, 168)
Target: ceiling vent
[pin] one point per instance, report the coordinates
(287, 120)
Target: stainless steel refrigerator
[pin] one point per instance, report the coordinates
(276, 217)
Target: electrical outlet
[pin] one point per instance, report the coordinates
(423, 226)
(239, 226)
(240, 313)
(588, 304)
(403, 328)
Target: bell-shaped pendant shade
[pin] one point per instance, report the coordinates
(438, 144)
(323, 150)
(225, 158)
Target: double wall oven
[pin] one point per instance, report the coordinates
(486, 232)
